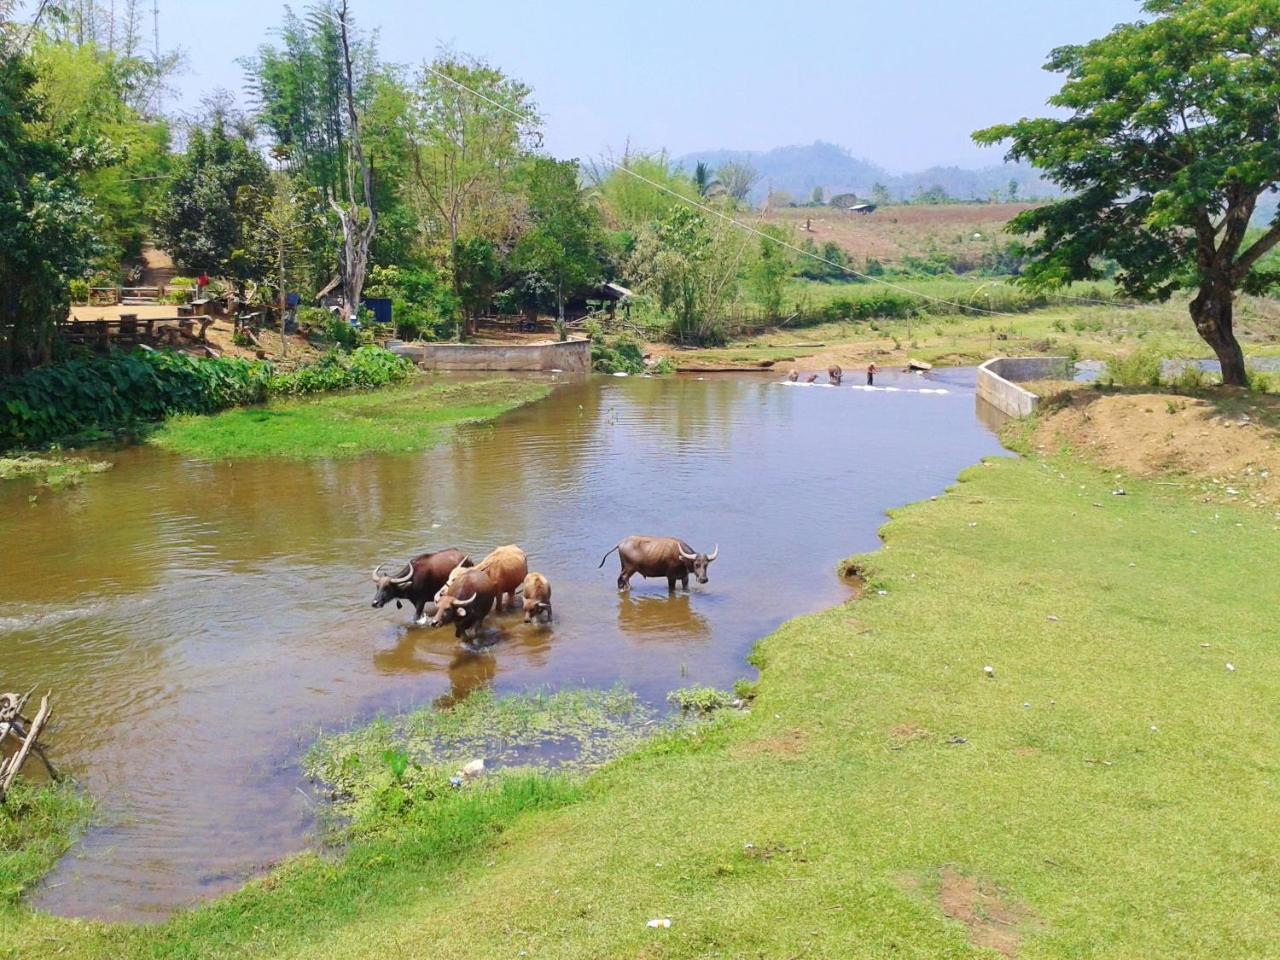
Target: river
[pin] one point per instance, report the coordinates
(199, 623)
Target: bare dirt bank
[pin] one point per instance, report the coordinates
(1229, 443)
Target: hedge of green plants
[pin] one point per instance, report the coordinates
(99, 396)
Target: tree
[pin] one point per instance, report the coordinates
(46, 224)
(1013, 190)
(1170, 144)
(280, 237)
(737, 180)
(703, 179)
(690, 270)
(816, 197)
(356, 212)
(880, 195)
(215, 197)
(477, 272)
(86, 93)
(564, 243)
(467, 127)
(768, 275)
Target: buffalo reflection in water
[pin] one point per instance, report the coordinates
(437, 651)
(666, 617)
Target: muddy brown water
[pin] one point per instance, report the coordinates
(200, 622)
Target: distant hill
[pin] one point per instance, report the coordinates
(798, 169)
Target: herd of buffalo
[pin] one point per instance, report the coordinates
(464, 593)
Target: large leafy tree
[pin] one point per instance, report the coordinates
(46, 224)
(468, 127)
(87, 92)
(1170, 143)
(564, 242)
(215, 200)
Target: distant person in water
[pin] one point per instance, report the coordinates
(871, 375)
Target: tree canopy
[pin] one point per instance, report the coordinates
(1169, 144)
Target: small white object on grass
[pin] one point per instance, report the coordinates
(990, 671)
(662, 922)
(1231, 667)
(474, 768)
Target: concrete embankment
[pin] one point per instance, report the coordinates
(998, 381)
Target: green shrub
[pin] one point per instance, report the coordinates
(367, 366)
(622, 356)
(1140, 368)
(79, 290)
(107, 395)
(700, 699)
(104, 395)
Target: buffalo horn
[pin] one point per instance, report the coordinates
(714, 553)
(406, 577)
(465, 603)
(686, 556)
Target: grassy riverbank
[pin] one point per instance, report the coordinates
(398, 419)
(1108, 791)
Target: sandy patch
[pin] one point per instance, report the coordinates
(1230, 443)
(992, 923)
(789, 746)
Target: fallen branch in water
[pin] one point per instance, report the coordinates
(27, 732)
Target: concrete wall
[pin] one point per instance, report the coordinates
(998, 381)
(571, 356)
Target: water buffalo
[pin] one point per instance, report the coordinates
(537, 597)
(465, 603)
(418, 580)
(661, 557)
(506, 566)
(811, 378)
(835, 374)
(793, 376)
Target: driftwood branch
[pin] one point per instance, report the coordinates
(27, 733)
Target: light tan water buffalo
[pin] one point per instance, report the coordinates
(661, 557)
(793, 376)
(418, 580)
(465, 603)
(506, 566)
(536, 591)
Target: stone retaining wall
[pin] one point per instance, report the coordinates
(569, 356)
(998, 381)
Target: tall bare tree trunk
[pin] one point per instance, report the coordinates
(1212, 312)
(353, 262)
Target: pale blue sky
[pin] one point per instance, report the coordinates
(901, 82)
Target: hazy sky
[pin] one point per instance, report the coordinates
(901, 82)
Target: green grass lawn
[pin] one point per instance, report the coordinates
(396, 419)
(1110, 791)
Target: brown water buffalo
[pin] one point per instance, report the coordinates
(661, 557)
(418, 580)
(536, 590)
(811, 378)
(465, 603)
(506, 566)
(793, 376)
(835, 374)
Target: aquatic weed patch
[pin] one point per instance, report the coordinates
(399, 763)
(53, 472)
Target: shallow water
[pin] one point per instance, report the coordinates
(200, 622)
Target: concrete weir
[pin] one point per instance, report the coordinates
(998, 381)
(568, 356)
